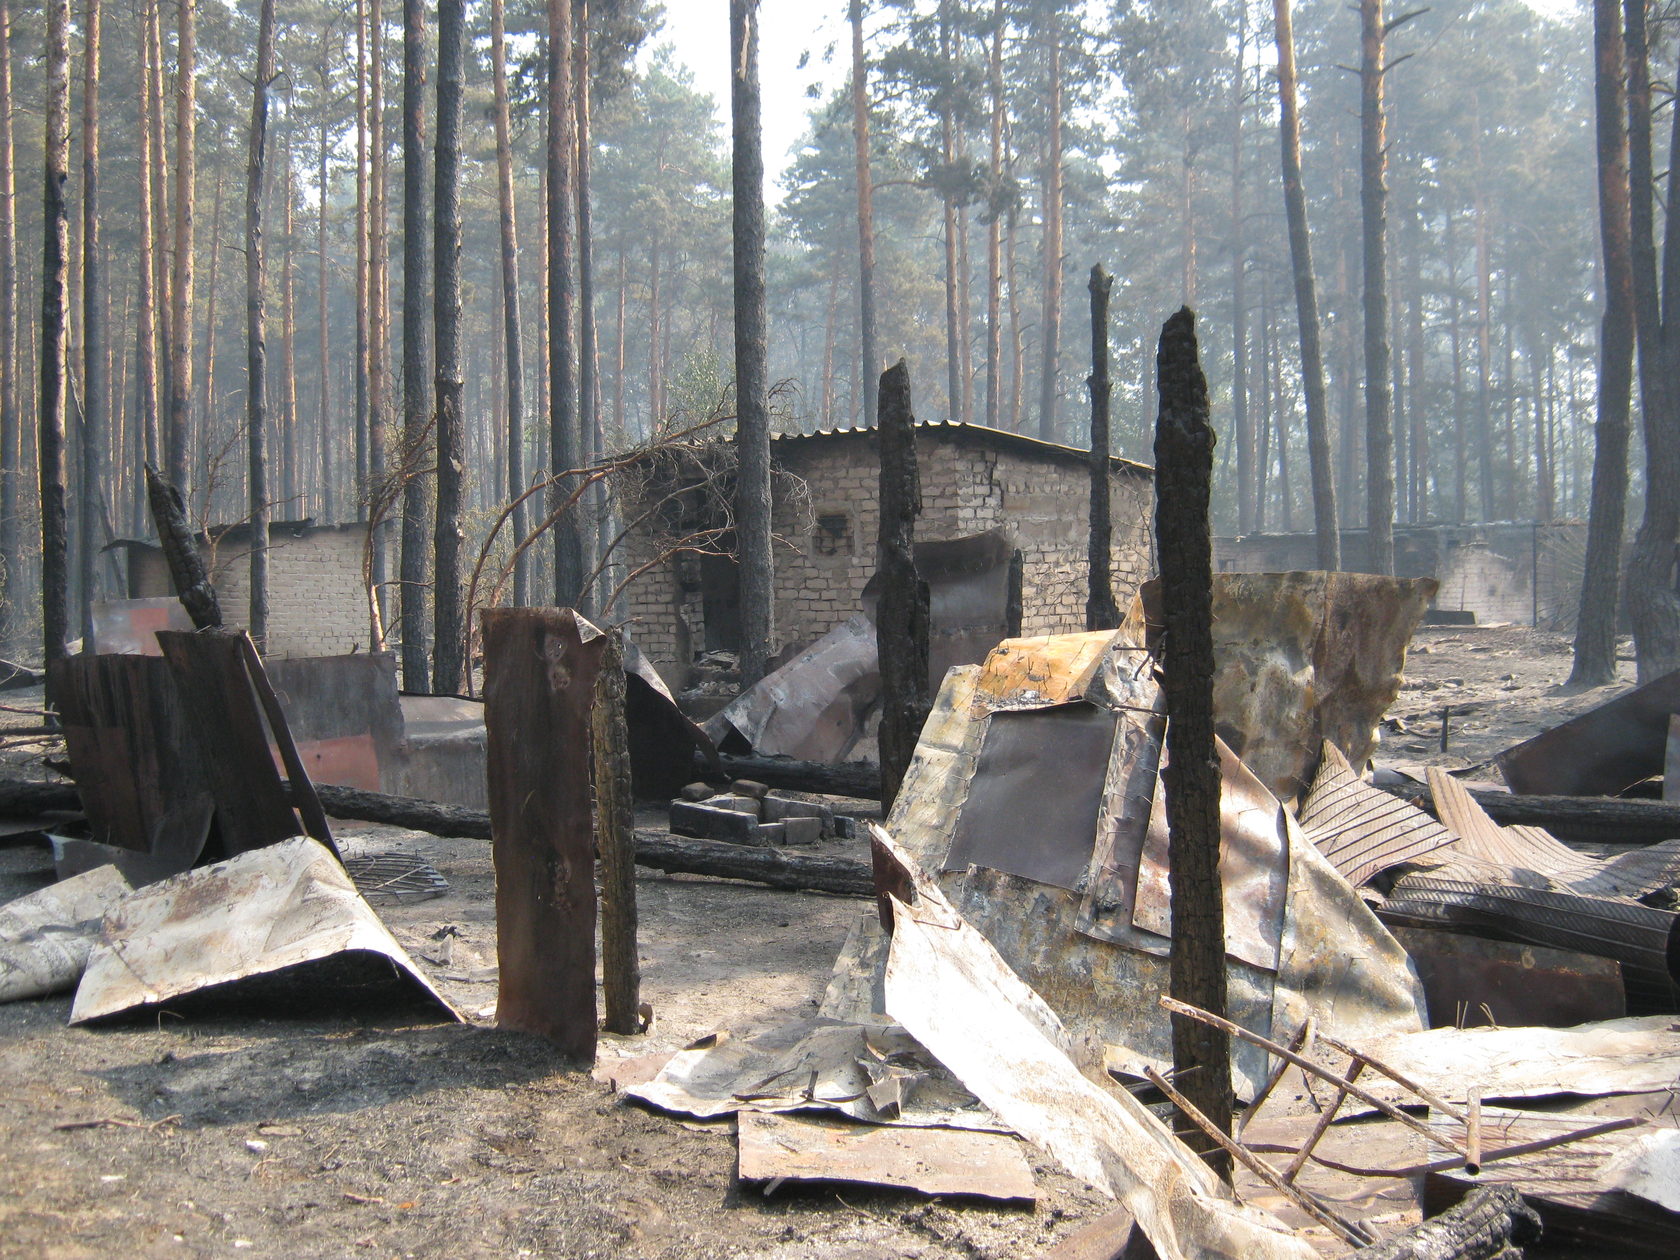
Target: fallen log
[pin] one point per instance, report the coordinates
(1582, 819)
(1489, 1222)
(856, 778)
(25, 798)
(847, 877)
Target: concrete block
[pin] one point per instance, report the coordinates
(705, 822)
(749, 787)
(697, 792)
(800, 831)
(772, 835)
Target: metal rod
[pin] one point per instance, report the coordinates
(1473, 1132)
(1394, 1074)
(1300, 1044)
(1325, 1119)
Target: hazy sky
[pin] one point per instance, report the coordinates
(699, 32)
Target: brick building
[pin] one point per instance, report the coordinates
(317, 600)
(825, 517)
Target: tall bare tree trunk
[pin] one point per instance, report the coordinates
(256, 315)
(379, 302)
(589, 351)
(145, 333)
(868, 353)
(1325, 522)
(1101, 612)
(449, 665)
(324, 433)
(364, 269)
(418, 441)
(55, 271)
(948, 210)
(1595, 624)
(289, 482)
(752, 385)
(1051, 325)
(1373, 201)
(510, 300)
(1243, 430)
(994, 225)
(162, 289)
(565, 440)
(11, 423)
(95, 408)
(181, 283)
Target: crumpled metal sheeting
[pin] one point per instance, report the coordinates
(959, 998)
(1602, 752)
(1106, 996)
(1039, 672)
(813, 707)
(1642, 939)
(265, 912)
(813, 1065)
(46, 936)
(924, 814)
(1363, 830)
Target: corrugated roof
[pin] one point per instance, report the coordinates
(983, 434)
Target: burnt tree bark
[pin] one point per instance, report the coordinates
(1101, 612)
(417, 435)
(868, 354)
(256, 312)
(1595, 624)
(994, 221)
(1373, 202)
(565, 439)
(1051, 320)
(55, 269)
(1184, 442)
(510, 301)
(11, 424)
(615, 843)
(95, 394)
(752, 386)
(539, 680)
(902, 614)
(1325, 521)
(181, 282)
(449, 664)
(180, 553)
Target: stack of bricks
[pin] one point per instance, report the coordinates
(750, 813)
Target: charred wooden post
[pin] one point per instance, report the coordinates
(615, 843)
(180, 552)
(901, 617)
(539, 681)
(1184, 443)
(1101, 613)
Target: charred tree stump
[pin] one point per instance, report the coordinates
(1184, 442)
(615, 843)
(539, 681)
(180, 552)
(1490, 1223)
(1101, 613)
(902, 615)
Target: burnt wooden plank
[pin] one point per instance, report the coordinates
(303, 791)
(539, 681)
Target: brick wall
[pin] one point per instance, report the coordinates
(825, 516)
(317, 604)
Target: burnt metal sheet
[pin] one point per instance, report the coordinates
(281, 919)
(217, 698)
(1364, 830)
(1470, 981)
(777, 1148)
(45, 937)
(129, 626)
(1039, 672)
(1033, 803)
(663, 739)
(1305, 657)
(1604, 751)
(1649, 1167)
(1671, 760)
(968, 582)
(344, 715)
(813, 708)
(134, 755)
(1645, 941)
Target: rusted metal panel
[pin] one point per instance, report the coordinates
(284, 918)
(539, 683)
(968, 597)
(1363, 830)
(1302, 658)
(135, 758)
(1036, 673)
(1036, 793)
(45, 937)
(930, 1161)
(1602, 752)
(129, 626)
(1471, 981)
(217, 699)
(344, 714)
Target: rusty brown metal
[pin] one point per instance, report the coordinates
(1363, 830)
(539, 682)
(1603, 751)
(1471, 981)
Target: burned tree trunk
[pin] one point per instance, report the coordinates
(256, 311)
(55, 273)
(752, 385)
(901, 616)
(1325, 521)
(867, 352)
(1101, 612)
(449, 663)
(181, 283)
(539, 679)
(1373, 200)
(95, 406)
(1490, 1223)
(615, 842)
(180, 552)
(510, 301)
(417, 437)
(565, 441)
(1184, 443)
(11, 426)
